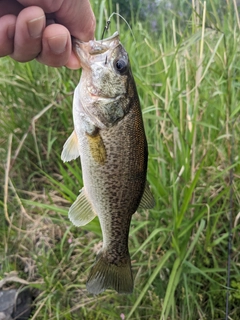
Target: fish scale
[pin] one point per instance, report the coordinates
(110, 139)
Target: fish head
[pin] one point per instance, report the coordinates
(106, 66)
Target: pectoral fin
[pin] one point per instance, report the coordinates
(97, 147)
(70, 148)
(147, 201)
(81, 211)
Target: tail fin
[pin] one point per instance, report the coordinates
(104, 275)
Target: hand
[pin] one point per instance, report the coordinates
(42, 29)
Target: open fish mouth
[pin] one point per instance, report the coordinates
(94, 48)
(101, 46)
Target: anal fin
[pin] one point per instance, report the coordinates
(70, 149)
(81, 211)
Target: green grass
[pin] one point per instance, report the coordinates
(187, 74)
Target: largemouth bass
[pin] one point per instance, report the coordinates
(109, 137)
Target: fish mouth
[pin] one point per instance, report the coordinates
(86, 51)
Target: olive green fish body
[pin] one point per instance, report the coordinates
(110, 138)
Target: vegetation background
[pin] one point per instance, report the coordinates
(185, 59)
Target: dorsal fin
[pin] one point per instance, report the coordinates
(147, 201)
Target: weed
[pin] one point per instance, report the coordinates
(187, 77)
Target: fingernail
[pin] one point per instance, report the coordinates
(35, 27)
(58, 44)
(11, 31)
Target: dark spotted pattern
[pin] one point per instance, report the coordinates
(109, 100)
(116, 187)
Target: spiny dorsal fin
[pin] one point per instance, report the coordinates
(81, 211)
(147, 201)
(70, 148)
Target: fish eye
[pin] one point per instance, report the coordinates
(121, 66)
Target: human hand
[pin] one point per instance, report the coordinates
(42, 29)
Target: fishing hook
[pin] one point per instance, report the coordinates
(106, 27)
(108, 23)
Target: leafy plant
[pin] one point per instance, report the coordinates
(187, 77)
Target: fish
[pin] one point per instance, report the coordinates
(110, 139)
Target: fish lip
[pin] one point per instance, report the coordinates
(115, 35)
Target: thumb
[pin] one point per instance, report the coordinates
(77, 16)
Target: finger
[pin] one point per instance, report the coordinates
(79, 18)
(10, 7)
(73, 62)
(56, 46)
(76, 15)
(48, 6)
(30, 24)
(7, 30)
